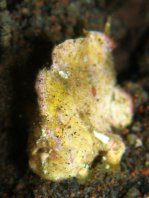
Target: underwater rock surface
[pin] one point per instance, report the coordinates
(79, 105)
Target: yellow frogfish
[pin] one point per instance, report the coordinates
(79, 105)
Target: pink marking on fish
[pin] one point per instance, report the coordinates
(110, 42)
(53, 156)
(57, 143)
(93, 90)
(111, 144)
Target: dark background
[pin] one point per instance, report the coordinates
(29, 31)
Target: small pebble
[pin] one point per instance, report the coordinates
(132, 193)
(25, 11)
(107, 166)
(132, 138)
(136, 127)
(138, 143)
